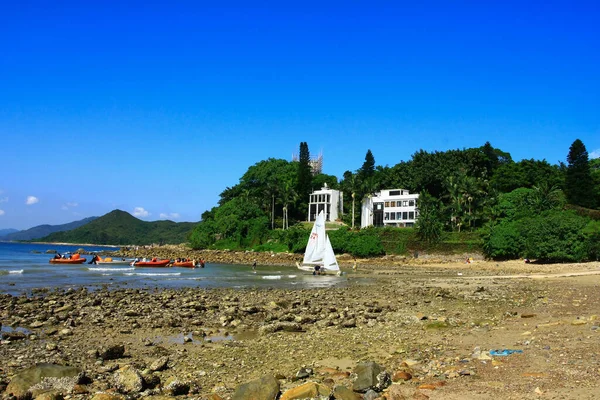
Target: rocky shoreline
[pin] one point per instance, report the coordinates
(425, 335)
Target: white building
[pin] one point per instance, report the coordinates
(329, 200)
(393, 207)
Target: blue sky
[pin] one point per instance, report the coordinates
(156, 107)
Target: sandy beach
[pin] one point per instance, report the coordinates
(428, 325)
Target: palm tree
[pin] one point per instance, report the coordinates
(455, 189)
(546, 196)
(289, 196)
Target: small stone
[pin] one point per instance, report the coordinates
(528, 315)
(401, 376)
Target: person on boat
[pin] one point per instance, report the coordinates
(317, 270)
(57, 256)
(201, 263)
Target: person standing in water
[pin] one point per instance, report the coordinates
(254, 266)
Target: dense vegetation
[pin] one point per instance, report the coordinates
(121, 228)
(469, 199)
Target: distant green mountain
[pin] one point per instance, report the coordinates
(121, 228)
(4, 232)
(44, 230)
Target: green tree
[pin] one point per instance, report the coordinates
(579, 185)
(366, 177)
(526, 173)
(555, 236)
(289, 197)
(429, 224)
(304, 181)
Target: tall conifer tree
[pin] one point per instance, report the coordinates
(579, 185)
(304, 176)
(366, 175)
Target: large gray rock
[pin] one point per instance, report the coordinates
(343, 393)
(265, 388)
(160, 364)
(367, 377)
(280, 326)
(129, 380)
(46, 376)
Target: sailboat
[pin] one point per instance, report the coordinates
(319, 252)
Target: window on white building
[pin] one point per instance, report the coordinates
(411, 203)
(386, 216)
(411, 215)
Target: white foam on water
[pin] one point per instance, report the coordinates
(272, 277)
(292, 276)
(110, 269)
(150, 274)
(17, 271)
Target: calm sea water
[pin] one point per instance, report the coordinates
(25, 266)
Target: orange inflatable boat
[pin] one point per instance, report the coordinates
(75, 259)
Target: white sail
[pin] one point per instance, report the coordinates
(318, 249)
(329, 261)
(315, 248)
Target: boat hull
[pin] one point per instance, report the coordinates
(322, 271)
(113, 262)
(185, 264)
(67, 261)
(155, 264)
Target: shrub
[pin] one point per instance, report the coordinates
(592, 240)
(555, 236)
(503, 241)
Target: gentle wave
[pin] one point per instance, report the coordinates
(110, 269)
(151, 274)
(6, 272)
(272, 277)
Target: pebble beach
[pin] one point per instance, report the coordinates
(400, 328)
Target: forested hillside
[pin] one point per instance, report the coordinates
(513, 206)
(44, 230)
(121, 228)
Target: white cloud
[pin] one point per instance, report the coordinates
(69, 205)
(1, 212)
(3, 199)
(31, 200)
(169, 216)
(140, 212)
(595, 154)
